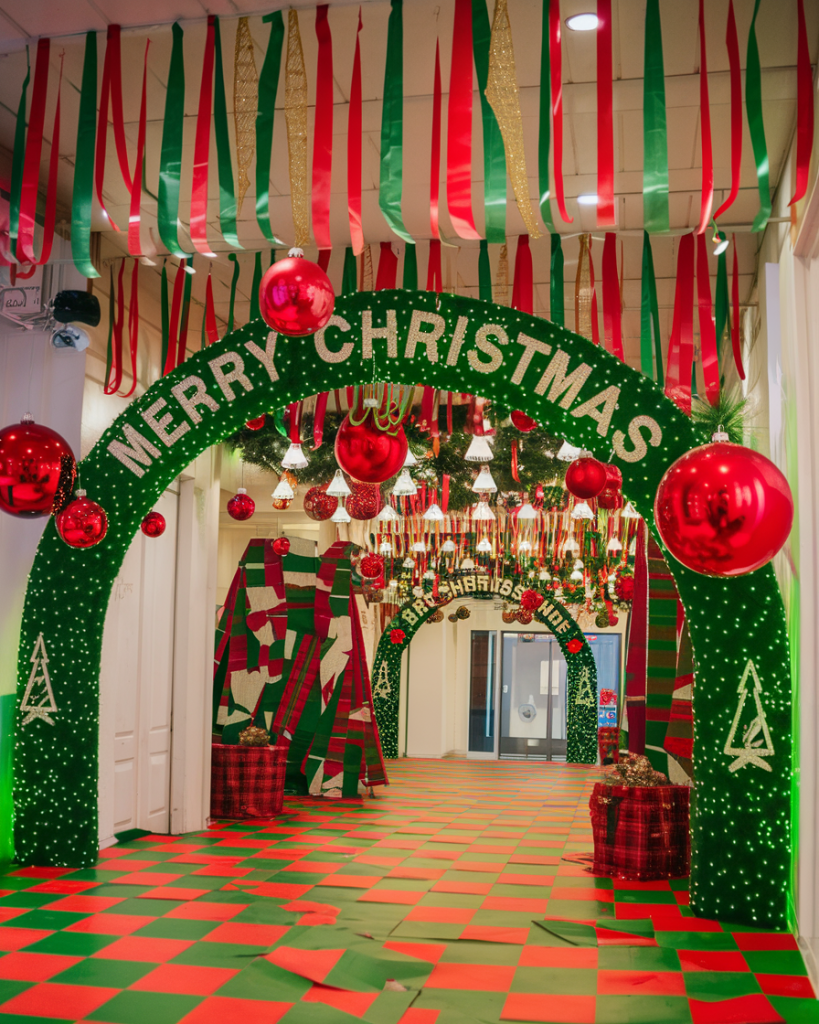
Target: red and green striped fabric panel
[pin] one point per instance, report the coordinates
(661, 664)
(679, 737)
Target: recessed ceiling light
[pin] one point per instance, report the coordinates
(582, 22)
(720, 243)
(589, 199)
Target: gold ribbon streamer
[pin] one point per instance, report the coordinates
(367, 277)
(504, 98)
(500, 292)
(295, 113)
(245, 106)
(582, 291)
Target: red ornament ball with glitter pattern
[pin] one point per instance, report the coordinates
(153, 525)
(241, 506)
(295, 296)
(365, 502)
(37, 470)
(82, 523)
(371, 566)
(318, 504)
(586, 477)
(367, 453)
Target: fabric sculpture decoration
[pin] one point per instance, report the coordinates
(290, 658)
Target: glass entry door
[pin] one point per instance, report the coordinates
(533, 697)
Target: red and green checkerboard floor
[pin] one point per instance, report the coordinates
(445, 900)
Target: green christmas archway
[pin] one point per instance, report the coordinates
(741, 825)
(581, 674)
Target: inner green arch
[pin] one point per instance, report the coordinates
(581, 673)
(742, 861)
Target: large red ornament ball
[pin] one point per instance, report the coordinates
(37, 470)
(611, 497)
(241, 506)
(367, 453)
(296, 297)
(318, 504)
(153, 525)
(723, 509)
(522, 422)
(281, 545)
(624, 584)
(365, 502)
(531, 600)
(82, 523)
(586, 477)
(371, 566)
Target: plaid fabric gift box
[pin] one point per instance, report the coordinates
(247, 782)
(640, 832)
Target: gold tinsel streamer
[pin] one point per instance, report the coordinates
(504, 98)
(366, 279)
(295, 113)
(500, 293)
(582, 291)
(245, 106)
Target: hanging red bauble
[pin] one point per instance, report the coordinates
(522, 422)
(585, 477)
(524, 617)
(611, 497)
(624, 584)
(256, 424)
(367, 453)
(281, 504)
(153, 525)
(318, 504)
(37, 469)
(281, 545)
(365, 502)
(723, 509)
(296, 297)
(241, 506)
(82, 523)
(531, 600)
(371, 566)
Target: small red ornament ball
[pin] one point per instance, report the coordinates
(318, 504)
(365, 502)
(522, 422)
(241, 506)
(723, 509)
(281, 545)
(82, 523)
(371, 566)
(37, 470)
(624, 584)
(586, 477)
(524, 616)
(256, 424)
(367, 453)
(296, 297)
(397, 636)
(153, 525)
(531, 600)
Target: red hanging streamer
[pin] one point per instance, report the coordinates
(134, 242)
(434, 275)
(735, 345)
(50, 217)
(708, 329)
(556, 74)
(387, 275)
(612, 306)
(605, 119)
(323, 131)
(707, 200)
(804, 107)
(435, 161)
(211, 329)
(201, 150)
(523, 282)
(324, 259)
(33, 151)
(459, 125)
(294, 411)
(318, 419)
(182, 349)
(735, 73)
(111, 93)
(595, 319)
(133, 327)
(115, 377)
(354, 142)
(176, 306)
(681, 342)
(515, 475)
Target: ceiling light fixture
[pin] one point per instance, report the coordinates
(295, 458)
(283, 492)
(721, 243)
(479, 450)
(338, 487)
(582, 22)
(588, 199)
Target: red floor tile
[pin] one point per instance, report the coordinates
(491, 933)
(169, 892)
(22, 966)
(524, 1006)
(62, 887)
(765, 940)
(786, 985)
(350, 881)
(81, 904)
(68, 1002)
(712, 960)
(247, 933)
(120, 865)
(12, 939)
(515, 903)
(356, 1003)
(753, 1009)
(110, 924)
(473, 977)
(431, 952)
(640, 983)
(441, 915)
(34, 872)
(313, 964)
(222, 1010)
(143, 949)
(9, 913)
(576, 892)
(184, 979)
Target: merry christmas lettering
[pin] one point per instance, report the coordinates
(485, 349)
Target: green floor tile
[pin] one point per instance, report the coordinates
(451, 899)
(16, 1018)
(529, 892)
(103, 973)
(12, 882)
(137, 1007)
(9, 989)
(644, 896)
(775, 961)
(795, 1011)
(696, 940)
(463, 1005)
(466, 952)
(720, 984)
(72, 943)
(503, 918)
(404, 884)
(434, 931)
(144, 908)
(470, 877)
(679, 884)
(267, 912)
(52, 920)
(220, 954)
(642, 1010)
(587, 882)
(177, 928)
(317, 1013)
(27, 900)
(637, 958)
(580, 910)
(575, 982)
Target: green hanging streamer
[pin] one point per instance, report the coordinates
(655, 130)
(651, 348)
(255, 310)
(170, 157)
(557, 312)
(721, 306)
(17, 160)
(186, 309)
(268, 87)
(484, 273)
(109, 358)
(166, 316)
(84, 163)
(279, 424)
(349, 278)
(234, 281)
(392, 125)
(753, 106)
(227, 195)
(545, 123)
(494, 155)
(410, 281)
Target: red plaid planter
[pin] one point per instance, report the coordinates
(640, 832)
(608, 742)
(247, 782)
